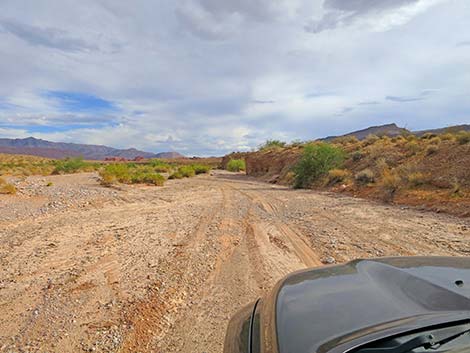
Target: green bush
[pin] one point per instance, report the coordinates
(176, 175)
(159, 166)
(147, 178)
(200, 168)
(187, 171)
(130, 173)
(69, 165)
(316, 161)
(117, 172)
(236, 165)
(272, 144)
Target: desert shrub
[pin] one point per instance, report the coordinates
(236, 165)
(115, 172)
(463, 137)
(416, 178)
(186, 171)
(316, 161)
(412, 147)
(344, 140)
(365, 176)
(390, 182)
(201, 169)
(381, 164)
(428, 136)
(176, 175)
(272, 144)
(159, 166)
(107, 179)
(447, 137)
(147, 178)
(49, 184)
(69, 165)
(2, 181)
(357, 156)
(435, 140)
(7, 188)
(431, 149)
(371, 139)
(337, 176)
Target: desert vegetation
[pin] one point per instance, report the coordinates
(236, 165)
(431, 169)
(317, 161)
(150, 172)
(7, 188)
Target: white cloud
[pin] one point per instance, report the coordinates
(192, 75)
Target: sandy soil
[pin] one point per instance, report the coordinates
(147, 269)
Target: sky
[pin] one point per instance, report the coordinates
(207, 77)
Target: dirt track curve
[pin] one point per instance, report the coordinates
(148, 269)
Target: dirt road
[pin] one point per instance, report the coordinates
(147, 269)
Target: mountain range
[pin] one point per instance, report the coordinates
(43, 148)
(394, 130)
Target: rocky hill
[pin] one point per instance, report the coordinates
(43, 148)
(381, 130)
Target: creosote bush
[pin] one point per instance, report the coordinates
(70, 165)
(236, 165)
(200, 168)
(130, 174)
(316, 161)
(187, 171)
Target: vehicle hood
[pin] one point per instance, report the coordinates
(335, 308)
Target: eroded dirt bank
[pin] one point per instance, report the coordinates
(145, 269)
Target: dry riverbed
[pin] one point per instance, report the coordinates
(149, 269)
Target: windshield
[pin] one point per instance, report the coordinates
(454, 338)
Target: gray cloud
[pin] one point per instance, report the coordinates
(208, 77)
(403, 99)
(464, 43)
(47, 37)
(341, 13)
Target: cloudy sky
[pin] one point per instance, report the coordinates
(206, 77)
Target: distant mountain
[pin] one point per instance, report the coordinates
(381, 130)
(43, 148)
(455, 128)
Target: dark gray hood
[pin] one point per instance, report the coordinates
(335, 308)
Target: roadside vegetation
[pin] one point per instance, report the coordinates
(150, 172)
(317, 160)
(236, 165)
(7, 188)
(431, 169)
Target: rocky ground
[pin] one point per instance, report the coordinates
(148, 269)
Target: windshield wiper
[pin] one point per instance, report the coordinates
(428, 340)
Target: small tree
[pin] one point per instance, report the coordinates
(236, 165)
(316, 161)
